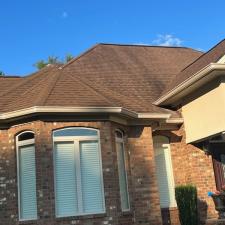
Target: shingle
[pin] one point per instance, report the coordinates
(7, 82)
(212, 56)
(107, 75)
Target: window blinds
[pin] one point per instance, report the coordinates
(27, 183)
(78, 176)
(165, 177)
(122, 177)
(91, 177)
(65, 179)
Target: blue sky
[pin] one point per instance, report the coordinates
(33, 30)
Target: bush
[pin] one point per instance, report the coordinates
(186, 197)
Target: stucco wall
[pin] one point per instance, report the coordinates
(204, 114)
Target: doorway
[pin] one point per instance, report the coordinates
(218, 156)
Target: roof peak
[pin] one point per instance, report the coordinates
(147, 45)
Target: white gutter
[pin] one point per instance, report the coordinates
(59, 109)
(203, 73)
(175, 120)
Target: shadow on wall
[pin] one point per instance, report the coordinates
(202, 211)
(145, 194)
(174, 138)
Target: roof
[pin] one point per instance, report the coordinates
(107, 75)
(6, 82)
(211, 56)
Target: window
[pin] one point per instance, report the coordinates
(124, 196)
(78, 172)
(164, 171)
(26, 174)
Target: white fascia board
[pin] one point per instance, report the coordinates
(187, 84)
(59, 109)
(175, 120)
(91, 110)
(153, 115)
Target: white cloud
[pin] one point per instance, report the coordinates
(64, 14)
(167, 40)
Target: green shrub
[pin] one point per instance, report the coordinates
(186, 197)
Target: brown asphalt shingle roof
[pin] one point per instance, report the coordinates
(105, 76)
(212, 56)
(7, 82)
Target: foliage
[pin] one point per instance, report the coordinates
(186, 197)
(2, 73)
(52, 60)
(68, 58)
(40, 64)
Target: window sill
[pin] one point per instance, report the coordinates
(28, 221)
(127, 213)
(80, 217)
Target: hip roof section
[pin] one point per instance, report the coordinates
(211, 56)
(107, 75)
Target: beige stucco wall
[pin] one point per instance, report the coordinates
(204, 115)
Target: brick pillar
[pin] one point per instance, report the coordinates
(44, 173)
(145, 189)
(8, 177)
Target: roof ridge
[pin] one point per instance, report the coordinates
(116, 44)
(25, 80)
(173, 82)
(26, 91)
(80, 55)
(148, 45)
(205, 53)
(51, 87)
(8, 76)
(102, 94)
(91, 88)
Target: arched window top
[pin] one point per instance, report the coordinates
(119, 134)
(75, 131)
(26, 135)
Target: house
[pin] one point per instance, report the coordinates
(105, 138)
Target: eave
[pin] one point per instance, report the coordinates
(116, 114)
(208, 73)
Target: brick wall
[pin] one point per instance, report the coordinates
(45, 178)
(146, 195)
(142, 184)
(196, 168)
(192, 166)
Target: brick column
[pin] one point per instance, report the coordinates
(145, 189)
(8, 186)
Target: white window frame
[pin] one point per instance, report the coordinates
(161, 141)
(121, 140)
(18, 145)
(76, 141)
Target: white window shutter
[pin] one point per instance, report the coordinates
(165, 177)
(27, 183)
(91, 178)
(65, 179)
